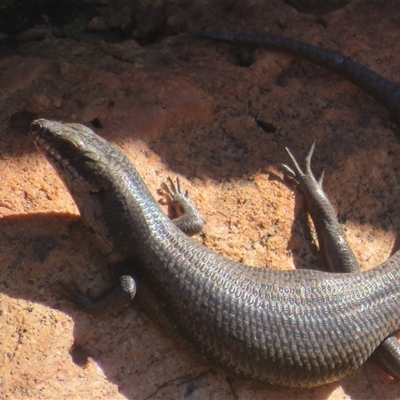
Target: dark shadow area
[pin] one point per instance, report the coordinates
(21, 15)
(317, 6)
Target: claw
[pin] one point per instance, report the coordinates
(296, 171)
(288, 169)
(299, 177)
(178, 184)
(309, 157)
(321, 178)
(289, 173)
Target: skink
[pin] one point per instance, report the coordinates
(298, 328)
(294, 328)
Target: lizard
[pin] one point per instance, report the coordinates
(297, 328)
(296, 365)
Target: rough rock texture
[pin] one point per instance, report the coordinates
(219, 117)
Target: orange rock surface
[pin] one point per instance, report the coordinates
(196, 109)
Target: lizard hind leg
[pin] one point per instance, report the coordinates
(335, 251)
(334, 248)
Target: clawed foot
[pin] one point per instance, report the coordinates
(189, 219)
(174, 193)
(73, 292)
(302, 179)
(118, 297)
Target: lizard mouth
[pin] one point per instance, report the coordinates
(61, 152)
(59, 162)
(74, 151)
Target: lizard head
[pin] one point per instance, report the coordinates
(81, 158)
(101, 180)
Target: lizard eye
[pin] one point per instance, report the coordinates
(67, 148)
(36, 126)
